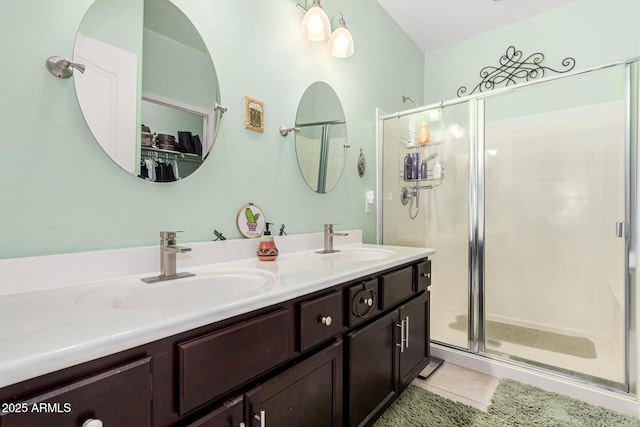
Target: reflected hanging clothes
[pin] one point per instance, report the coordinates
(159, 170)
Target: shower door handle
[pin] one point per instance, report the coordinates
(621, 230)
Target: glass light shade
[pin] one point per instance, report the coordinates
(315, 24)
(341, 43)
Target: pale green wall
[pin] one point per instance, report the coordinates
(594, 32)
(61, 193)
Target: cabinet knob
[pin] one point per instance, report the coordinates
(92, 423)
(326, 320)
(427, 275)
(367, 301)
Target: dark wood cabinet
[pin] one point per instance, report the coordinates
(335, 357)
(385, 357)
(372, 379)
(414, 355)
(307, 394)
(119, 397)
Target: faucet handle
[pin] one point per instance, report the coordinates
(329, 227)
(169, 236)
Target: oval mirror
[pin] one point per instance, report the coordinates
(321, 144)
(149, 91)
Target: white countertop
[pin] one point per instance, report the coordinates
(47, 328)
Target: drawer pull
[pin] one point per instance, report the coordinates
(262, 418)
(326, 320)
(426, 275)
(92, 423)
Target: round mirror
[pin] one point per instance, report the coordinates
(321, 144)
(149, 91)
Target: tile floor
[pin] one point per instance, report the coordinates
(463, 385)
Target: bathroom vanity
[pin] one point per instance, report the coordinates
(331, 342)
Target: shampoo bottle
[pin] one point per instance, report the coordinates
(408, 166)
(437, 170)
(424, 136)
(411, 135)
(423, 170)
(267, 250)
(415, 165)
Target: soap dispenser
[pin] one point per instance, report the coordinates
(267, 250)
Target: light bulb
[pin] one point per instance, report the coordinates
(315, 24)
(341, 43)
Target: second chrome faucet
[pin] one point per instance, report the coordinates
(328, 239)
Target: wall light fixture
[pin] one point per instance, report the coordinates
(340, 43)
(316, 26)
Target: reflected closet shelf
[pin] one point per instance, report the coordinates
(169, 154)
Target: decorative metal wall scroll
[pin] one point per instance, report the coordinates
(514, 69)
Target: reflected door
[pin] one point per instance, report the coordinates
(109, 88)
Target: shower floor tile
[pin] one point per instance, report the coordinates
(608, 364)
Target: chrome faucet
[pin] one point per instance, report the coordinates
(328, 239)
(168, 251)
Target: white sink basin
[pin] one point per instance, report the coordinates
(209, 288)
(358, 254)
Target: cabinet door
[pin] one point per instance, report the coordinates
(414, 355)
(119, 397)
(308, 394)
(372, 372)
(228, 415)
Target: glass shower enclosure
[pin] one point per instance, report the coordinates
(531, 219)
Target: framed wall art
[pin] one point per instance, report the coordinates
(253, 114)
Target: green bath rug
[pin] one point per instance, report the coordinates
(513, 405)
(536, 338)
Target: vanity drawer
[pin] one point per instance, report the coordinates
(211, 365)
(423, 275)
(320, 319)
(396, 286)
(118, 397)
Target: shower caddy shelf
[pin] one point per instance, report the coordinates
(430, 181)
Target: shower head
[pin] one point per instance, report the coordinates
(408, 98)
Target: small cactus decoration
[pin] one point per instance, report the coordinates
(252, 218)
(250, 221)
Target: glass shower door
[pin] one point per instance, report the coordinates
(555, 187)
(435, 217)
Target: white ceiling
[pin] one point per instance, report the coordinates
(433, 24)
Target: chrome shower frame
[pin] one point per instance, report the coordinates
(476, 283)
